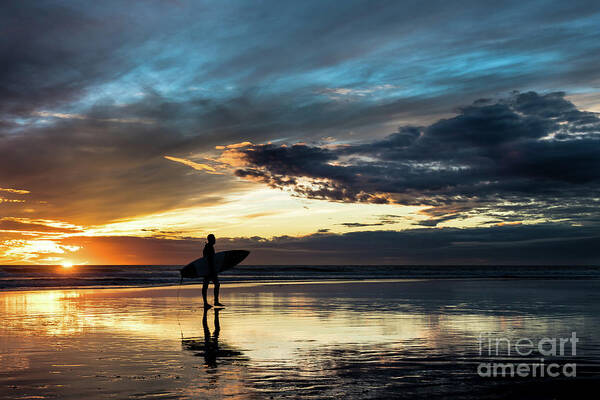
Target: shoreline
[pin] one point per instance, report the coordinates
(227, 284)
(283, 281)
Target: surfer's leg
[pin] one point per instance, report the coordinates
(217, 287)
(204, 291)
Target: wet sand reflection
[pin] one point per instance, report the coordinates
(325, 340)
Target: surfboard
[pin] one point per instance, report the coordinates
(224, 260)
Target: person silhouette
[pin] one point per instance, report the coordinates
(209, 255)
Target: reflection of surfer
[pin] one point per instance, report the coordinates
(209, 255)
(211, 343)
(209, 346)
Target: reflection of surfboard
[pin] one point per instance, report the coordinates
(224, 260)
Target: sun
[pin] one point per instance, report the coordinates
(67, 264)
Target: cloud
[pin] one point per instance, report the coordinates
(93, 96)
(552, 244)
(349, 93)
(16, 191)
(2, 200)
(90, 173)
(33, 251)
(195, 165)
(234, 146)
(38, 226)
(260, 214)
(360, 224)
(531, 146)
(437, 221)
(544, 244)
(79, 116)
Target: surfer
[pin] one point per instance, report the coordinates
(209, 255)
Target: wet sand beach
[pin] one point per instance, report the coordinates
(335, 339)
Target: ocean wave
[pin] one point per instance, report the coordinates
(39, 276)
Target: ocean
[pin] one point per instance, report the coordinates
(44, 276)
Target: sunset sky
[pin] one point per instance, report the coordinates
(400, 132)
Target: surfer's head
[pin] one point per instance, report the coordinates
(211, 238)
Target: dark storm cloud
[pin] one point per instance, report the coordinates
(52, 51)
(436, 221)
(56, 51)
(528, 146)
(543, 244)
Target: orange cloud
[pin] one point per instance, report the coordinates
(234, 146)
(36, 225)
(195, 165)
(232, 158)
(260, 214)
(16, 191)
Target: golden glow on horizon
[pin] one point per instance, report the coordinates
(266, 213)
(37, 251)
(67, 264)
(258, 211)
